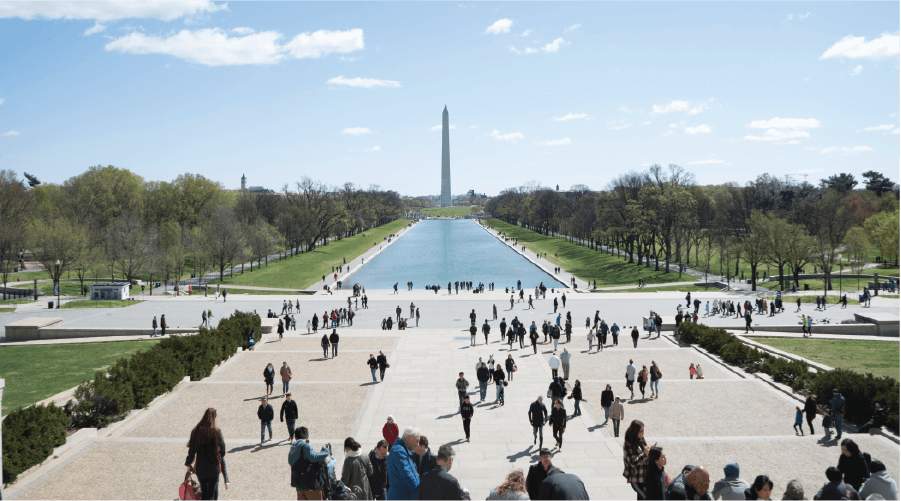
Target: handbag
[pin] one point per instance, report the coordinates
(514, 368)
(189, 489)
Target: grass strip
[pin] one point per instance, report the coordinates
(98, 303)
(881, 358)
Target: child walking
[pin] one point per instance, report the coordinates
(827, 423)
(799, 421)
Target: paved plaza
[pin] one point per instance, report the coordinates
(727, 417)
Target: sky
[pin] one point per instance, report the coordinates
(555, 93)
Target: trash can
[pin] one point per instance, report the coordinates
(50, 305)
(807, 287)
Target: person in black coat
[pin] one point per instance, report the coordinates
(852, 464)
(537, 417)
(498, 381)
(466, 411)
(537, 473)
(266, 414)
(560, 485)
(558, 423)
(378, 481)
(333, 338)
(439, 483)
(289, 412)
(606, 402)
(509, 364)
(383, 364)
(422, 456)
(269, 378)
(655, 482)
(206, 448)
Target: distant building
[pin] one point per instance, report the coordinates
(243, 182)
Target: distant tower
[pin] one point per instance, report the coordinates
(243, 182)
(445, 162)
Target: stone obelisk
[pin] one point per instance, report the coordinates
(445, 200)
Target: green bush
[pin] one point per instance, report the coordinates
(861, 391)
(98, 401)
(29, 437)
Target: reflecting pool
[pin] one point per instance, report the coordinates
(435, 252)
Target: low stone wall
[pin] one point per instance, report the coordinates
(67, 333)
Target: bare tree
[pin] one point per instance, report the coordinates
(223, 238)
(15, 209)
(127, 246)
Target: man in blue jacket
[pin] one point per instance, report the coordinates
(838, 411)
(301, 448)
(403, 479)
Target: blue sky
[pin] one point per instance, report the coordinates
(558, 93)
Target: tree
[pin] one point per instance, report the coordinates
(883, 231)
(754, 244)
(839, 182)
(878, 183)
(261, 238)
(57, 241)
(16, 207)
(857, 247)
(32, 180)
(831, 221)
(100, 196)
(128, 247)
(87, 258)
(223, 238)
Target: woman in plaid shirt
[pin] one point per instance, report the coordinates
(635, 457)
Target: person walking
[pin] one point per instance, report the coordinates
(286, 374)
(486, 328)
(635, 458)
(403, 479)
(655, 380)
(462, 384)
(635, 336)
(537, 418)
(533, 338)
(163, 325)
(564, 361)
(266, 415)
(383, 365)
(356, 470)
(614, 331)
(555, 305)
(280, 329)
(811, 409)
(333, 338)
(606, 402)
(555, 334)
(498, 383)
(494, 311)
(288, 413)
(577, 398)
(390, 431)
(617, 414)
(748, 321)
(630, 378)
(300, 456)
(602, 333)
(269, 378)
(154, 325)
(558, 423)
(206, 448)
(554, 362)
(591, 338)
(510, 366)
(642, 379)
(466, 412)
(325, 346)
(483, 375)
(373, 366)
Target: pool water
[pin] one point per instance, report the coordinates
(435, 252)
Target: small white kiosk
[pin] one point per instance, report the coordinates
(115, 290)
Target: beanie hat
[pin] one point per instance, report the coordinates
(731, 470)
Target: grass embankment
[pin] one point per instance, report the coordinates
(889, 272)
(830, 299)
(65, 288)
(667, 288)
(445, 211)
(6, 302)
(584, 263)
(881, 358)
(7, 310)
(36, 372)
(98, 303)
(303, 270)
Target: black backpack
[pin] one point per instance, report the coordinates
(306, 475)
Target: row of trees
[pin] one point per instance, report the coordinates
(109, 221)
(662, 214)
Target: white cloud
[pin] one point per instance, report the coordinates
(322, 42)
(570, 116)
(557, 142)
(885, 47)
(896, 130)
(12, 133)
(709, 161)
(646, 123)
(107, 11)
(97, 28)
(778, 135)
(438, 127)
(367, 83)
(214, 46)
(624, 109)
(701, 107)
(676, 125)
(785, 123)
(515, 50)
(672, 106)
(554, 46)
(845, 149)
(856, 71)
(526, 33)
(881, 127)
(374, 148)
(573, 27)
(701, 129)
(789, 18)
(804, 16)
(2, 100)
(668, 132)
(510, 136)
(795, 141)
(243, 31)
(356, 131)
(530, 50)
(500, 26)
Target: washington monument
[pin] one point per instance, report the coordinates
(445, 200)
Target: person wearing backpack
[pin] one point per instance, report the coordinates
(306, 465)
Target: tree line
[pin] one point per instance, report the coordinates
(663, 215)
(108, 221)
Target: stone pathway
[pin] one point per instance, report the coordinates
(727, 417)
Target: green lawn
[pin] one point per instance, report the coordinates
(881, 358)
(818, 284)
(889, 272)
(890, 296)
(5, 302)
(445, 211)
(584, 263)
(303, 270)
(98, 303)
(36, 372)
(7, 310)
(668, 288)
(66, 288)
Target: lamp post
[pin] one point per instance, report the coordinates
(57, 284)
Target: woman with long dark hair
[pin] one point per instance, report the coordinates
(635, 458)
(357, 469)
(656, 481)
(205, 451)
(852, 464)
(762, 488)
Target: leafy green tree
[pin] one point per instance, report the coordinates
(857, 247)
(883, 230)
(878, 183)
(841, 183)
(16, 208)
(57, 241)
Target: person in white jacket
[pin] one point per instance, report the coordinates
(554, 362)
(879, 483)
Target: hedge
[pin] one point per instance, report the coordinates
(29, 437)
(30, 434)
(861, 391)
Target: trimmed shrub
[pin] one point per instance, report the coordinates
(98, 401)
(29, 437)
